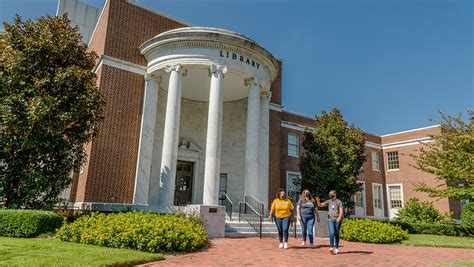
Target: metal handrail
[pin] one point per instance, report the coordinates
(225, 201)
(253, 214)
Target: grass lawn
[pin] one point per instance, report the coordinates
(42, 252)
(439, 241)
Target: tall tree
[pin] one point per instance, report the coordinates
(50, 108)
(450, 158)
(333, 157)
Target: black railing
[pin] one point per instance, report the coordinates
(225, 201)
(251, 210)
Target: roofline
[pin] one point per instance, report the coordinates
(299, 114)
(412, 130)
(133, 2)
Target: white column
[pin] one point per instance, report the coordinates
(214, 136)
(251, 139)
(145, 146)
(170, 140)
(264, 145)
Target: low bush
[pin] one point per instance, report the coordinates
(28, 223)
(137, 230)
(467, 215)
(435, 228)
(369, 231)
(416, 211)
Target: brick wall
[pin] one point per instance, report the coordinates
(274, 155)
(109, 172)
(129, 26)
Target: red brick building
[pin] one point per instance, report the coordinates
(193, 113)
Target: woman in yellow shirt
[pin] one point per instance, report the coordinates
(283, 210)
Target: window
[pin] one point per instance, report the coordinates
(358, 199)
(395, 194)
(223, 184)
(359, 196)
(293, 187)
(392, 160)
(375, 161)
(377, 189)
(293, 145)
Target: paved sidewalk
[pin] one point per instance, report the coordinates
(265, 252)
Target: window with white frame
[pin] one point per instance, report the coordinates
(375, 161)
(392, 160)
(293, 145)
(377, 191)
(395, 194)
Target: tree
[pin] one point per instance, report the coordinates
(50, 108)
(450, 158)
(333, 157)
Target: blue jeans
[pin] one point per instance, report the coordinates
(307, 225)
(283, 224)
(333, 233)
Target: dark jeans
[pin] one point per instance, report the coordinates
(333, 233)
(307, 225)
(283, 224)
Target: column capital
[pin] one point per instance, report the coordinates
(214, 69)
(178, 68)
(252, 81)
(175, 67)
(150, 77)
(265, 94)
(256, 81)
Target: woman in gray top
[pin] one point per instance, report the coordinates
(335, 214)
(307, 209)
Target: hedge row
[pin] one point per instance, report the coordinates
(370, 231)
(435, 229)
(137, 230)
(28, 223)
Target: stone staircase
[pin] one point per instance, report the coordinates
(236, 229)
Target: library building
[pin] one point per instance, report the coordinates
(195, 116)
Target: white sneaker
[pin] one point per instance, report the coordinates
(336, 251)
(281, 245)
(303, 243)
(285, 245)
(331, 250)
(311, 245)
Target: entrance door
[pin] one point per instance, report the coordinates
(360, 201)
(378, 204)
(184, 183)
(395, 199)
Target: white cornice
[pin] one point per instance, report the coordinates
(410, 142)
(119, 64)
(413, 130)
(373, 145)
(276, 107)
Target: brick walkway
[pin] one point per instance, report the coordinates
(265, 252)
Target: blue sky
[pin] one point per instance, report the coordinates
(389, 65)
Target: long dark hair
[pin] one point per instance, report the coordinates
(278, 192)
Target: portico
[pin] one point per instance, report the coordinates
(206, 102)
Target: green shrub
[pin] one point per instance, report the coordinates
(369, 231)
(28, 223)
(416, 211)
(435, 228)
(137, 230)
(467, 215)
